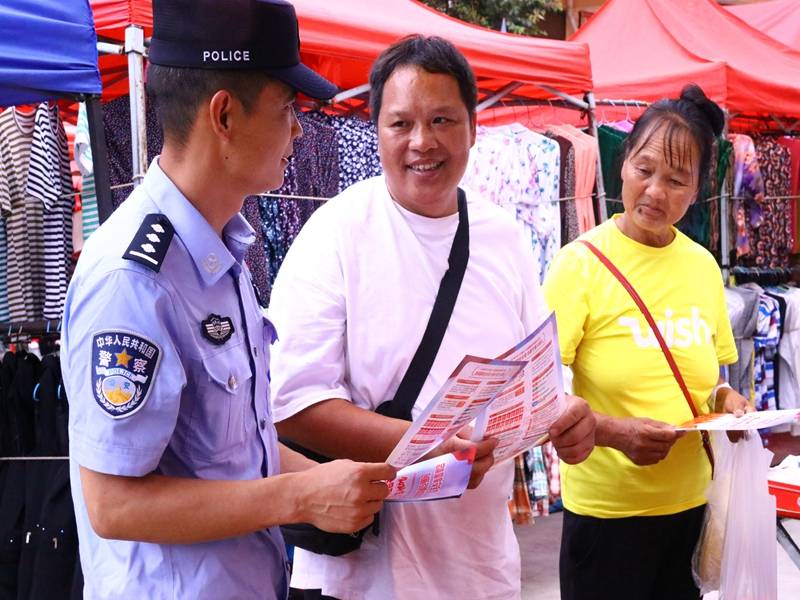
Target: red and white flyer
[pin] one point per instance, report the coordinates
(471, 387)
(520, 415)
(437, 478)
(728, 422)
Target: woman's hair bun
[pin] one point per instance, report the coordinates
(716, 118)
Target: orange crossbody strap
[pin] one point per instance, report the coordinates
(664, 348)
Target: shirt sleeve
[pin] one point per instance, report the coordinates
(122, 371)
(724, 341)
(307, 307)
(566, 292)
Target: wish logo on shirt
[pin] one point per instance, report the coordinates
(123, 367)
(682, 332)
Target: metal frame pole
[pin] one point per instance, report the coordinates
(602, 211)
(134, 48)
(724, 218)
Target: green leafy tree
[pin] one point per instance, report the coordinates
(521, 16)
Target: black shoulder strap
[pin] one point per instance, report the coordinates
(151, 242)
(411, 385)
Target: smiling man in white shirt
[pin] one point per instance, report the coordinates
(351, 303)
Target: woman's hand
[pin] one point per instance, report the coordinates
(730, 401)
(644, 441)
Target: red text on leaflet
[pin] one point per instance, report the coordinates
(438, 478)
(422, 487)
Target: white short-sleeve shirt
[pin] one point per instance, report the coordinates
(350, 304)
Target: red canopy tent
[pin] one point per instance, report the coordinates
(779, 19)
(342, 39)
(648, 49)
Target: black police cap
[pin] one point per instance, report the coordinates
(258, 35)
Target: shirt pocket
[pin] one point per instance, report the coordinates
(223, 397)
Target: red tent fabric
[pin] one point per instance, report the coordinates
(649, 49)
(779, 19)
(341, 39)
(111, 18)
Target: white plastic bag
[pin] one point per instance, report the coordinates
(737, 552)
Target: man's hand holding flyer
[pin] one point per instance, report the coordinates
(514, 398)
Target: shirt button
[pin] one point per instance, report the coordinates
(263, 423)
(232, 383)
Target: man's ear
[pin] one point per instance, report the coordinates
(219, 111)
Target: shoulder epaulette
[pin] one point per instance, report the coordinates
(151, 242)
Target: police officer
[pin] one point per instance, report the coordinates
(174, 458)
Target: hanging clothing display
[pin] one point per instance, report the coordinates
(36, 200)
(314, 171)
(788, 359)
(50, 182)
(3, 271)
(39, 558)
(611, 143)
(357, 143)
(586, 150)
(748, 191)
(90, 216)
(743, 308)
(793, 145)
(520, 171)
(773, 238)
(117, 128)
(23, 216)
(570, 227)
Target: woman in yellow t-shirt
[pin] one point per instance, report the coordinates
(634, 508)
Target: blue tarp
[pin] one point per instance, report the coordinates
(48, 49)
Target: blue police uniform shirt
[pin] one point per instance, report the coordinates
(166, 372)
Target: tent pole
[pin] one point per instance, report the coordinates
(569, 99)
(602, 211)
(504, 91)
(97, 138)
(134, 48)
(724, 216)
(351, 93)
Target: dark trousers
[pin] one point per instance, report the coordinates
(633, 558)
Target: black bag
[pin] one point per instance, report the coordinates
(308, 537)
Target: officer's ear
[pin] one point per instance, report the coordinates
(220, 113)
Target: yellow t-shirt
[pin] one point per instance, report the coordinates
(620, 370)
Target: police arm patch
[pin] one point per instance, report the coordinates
(124, 365)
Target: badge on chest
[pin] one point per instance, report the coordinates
(217, 329)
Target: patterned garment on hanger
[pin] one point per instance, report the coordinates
(313, 170)
(748, 191)
(771, 242)
(520, 171)
(117, 127)
(357, 141)
(793, 144)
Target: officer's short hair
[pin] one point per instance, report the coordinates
(178, 93)
(431, 53)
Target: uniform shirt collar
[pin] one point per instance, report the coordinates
(212, 256)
